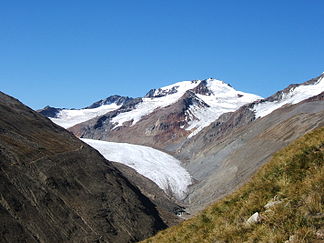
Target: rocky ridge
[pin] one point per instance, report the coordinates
(165, 117)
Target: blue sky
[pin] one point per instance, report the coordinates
(72, 53)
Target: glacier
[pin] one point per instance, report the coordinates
(160, 167)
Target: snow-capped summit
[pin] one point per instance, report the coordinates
(219, 97)
(179, 88)
(168, 115)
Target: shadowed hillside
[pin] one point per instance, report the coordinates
(55, 188)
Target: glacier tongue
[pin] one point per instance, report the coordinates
(161, 168)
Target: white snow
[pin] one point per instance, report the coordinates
(224, 99)
(295, 96)
(150, 104)
(69, 118)
(163, 169)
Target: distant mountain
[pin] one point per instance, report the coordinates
(69, 117)
(167, 116)
(50, 111)
(293, 94)
(221, 135)
(226, 153)
(55, 188)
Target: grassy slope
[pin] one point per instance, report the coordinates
(295, 176)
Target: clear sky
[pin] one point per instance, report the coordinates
(71, 53)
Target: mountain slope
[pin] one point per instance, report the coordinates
(286, 195)
(293, 94)
(248, 113)
(222, 157)
(55, 188)
(168, 207)
(165, 117)
(224, 154)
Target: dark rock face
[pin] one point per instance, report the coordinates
(117, 99)
(154, 93)
(150, 94)
(167, 206)
(55, 188)
(202, 88)
(49, 111)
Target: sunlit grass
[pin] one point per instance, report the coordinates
(294, 176)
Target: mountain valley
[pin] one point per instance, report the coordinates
(160, 159)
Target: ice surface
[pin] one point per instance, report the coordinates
(69, 118)
(295, 96)
(163, 169)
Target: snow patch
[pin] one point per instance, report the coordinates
(161, 168)
(294, 96)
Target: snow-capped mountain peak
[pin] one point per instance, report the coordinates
(219, 96)
(179, 87)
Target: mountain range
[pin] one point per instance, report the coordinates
(206, 124)
(178, 149)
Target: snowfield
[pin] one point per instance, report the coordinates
(150, 104)
(223, 98)
(295, 96)
(161, 168)
(69, 118)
